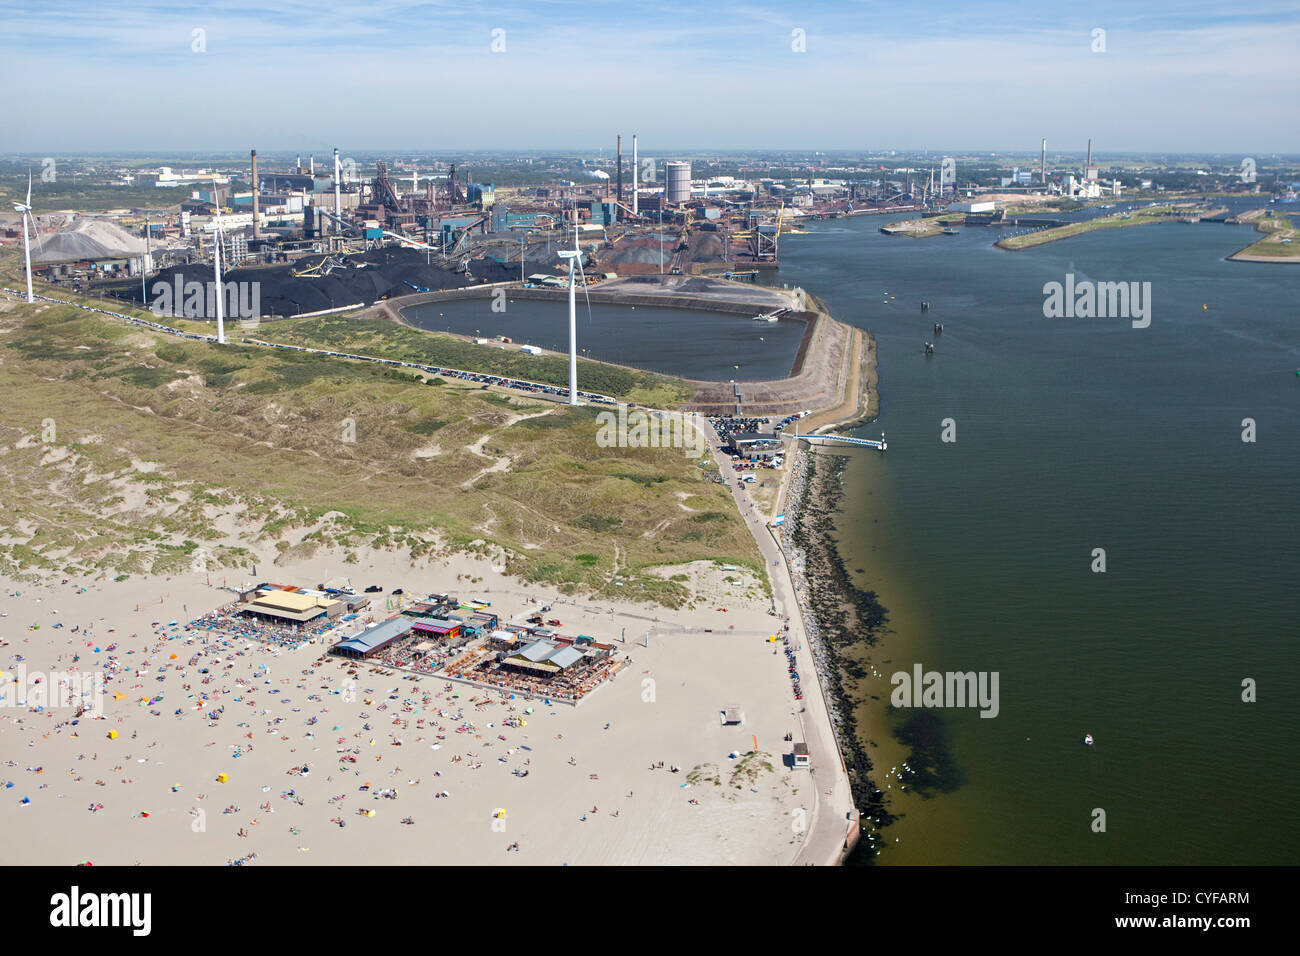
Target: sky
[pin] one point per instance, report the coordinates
(1187, 76)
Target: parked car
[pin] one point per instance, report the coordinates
(553, 622)
(373, 589)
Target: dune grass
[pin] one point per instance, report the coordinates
(123, 450)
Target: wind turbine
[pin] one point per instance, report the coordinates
(574, 255)
(216, 270)
(25, 210)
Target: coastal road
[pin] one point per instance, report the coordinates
(832, 802)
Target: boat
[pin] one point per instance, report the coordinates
(1087, 740)
(929, 348)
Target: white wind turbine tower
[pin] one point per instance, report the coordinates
(216, 270)
(574, 255)
(25, 211)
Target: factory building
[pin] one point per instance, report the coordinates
(603, 213)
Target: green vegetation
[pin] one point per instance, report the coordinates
(746, 770)
(1279, 240)
(384, 339)
(167, 456)
(1118, 221)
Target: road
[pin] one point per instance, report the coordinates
(832, 807)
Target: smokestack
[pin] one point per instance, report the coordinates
(257, 232)
(311, 164)
(338, 208)
(635, 210)
(620, 167)
(1042, 165)
(1089, 166)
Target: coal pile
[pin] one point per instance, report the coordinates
(644, 252)
(708, 248)
(363, 278)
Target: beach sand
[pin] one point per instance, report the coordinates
(90, 796)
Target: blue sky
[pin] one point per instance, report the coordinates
(1187, 76)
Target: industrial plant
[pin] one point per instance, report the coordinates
(329, 236)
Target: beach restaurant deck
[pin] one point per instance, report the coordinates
(544, 668)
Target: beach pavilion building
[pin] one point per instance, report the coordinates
(543, 659)
(373, 639)
(289, 606)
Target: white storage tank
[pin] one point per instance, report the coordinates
(677, 182)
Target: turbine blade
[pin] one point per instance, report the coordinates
(585, 294)
(40, 244)
(29, 189)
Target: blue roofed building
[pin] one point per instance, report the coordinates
(372, 639)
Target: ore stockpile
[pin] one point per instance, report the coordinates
(361, 278)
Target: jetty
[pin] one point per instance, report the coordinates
(879, 445)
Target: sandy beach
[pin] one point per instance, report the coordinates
(306, 750)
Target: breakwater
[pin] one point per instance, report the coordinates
(838, 617)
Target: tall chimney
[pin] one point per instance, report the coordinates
(635, 210)
(311, 164)
(620, 167)
(1042, 165)
(1089, 166)
(338, 207)
(257, 232)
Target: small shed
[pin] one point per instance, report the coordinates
(801, 757)
(732, 717)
